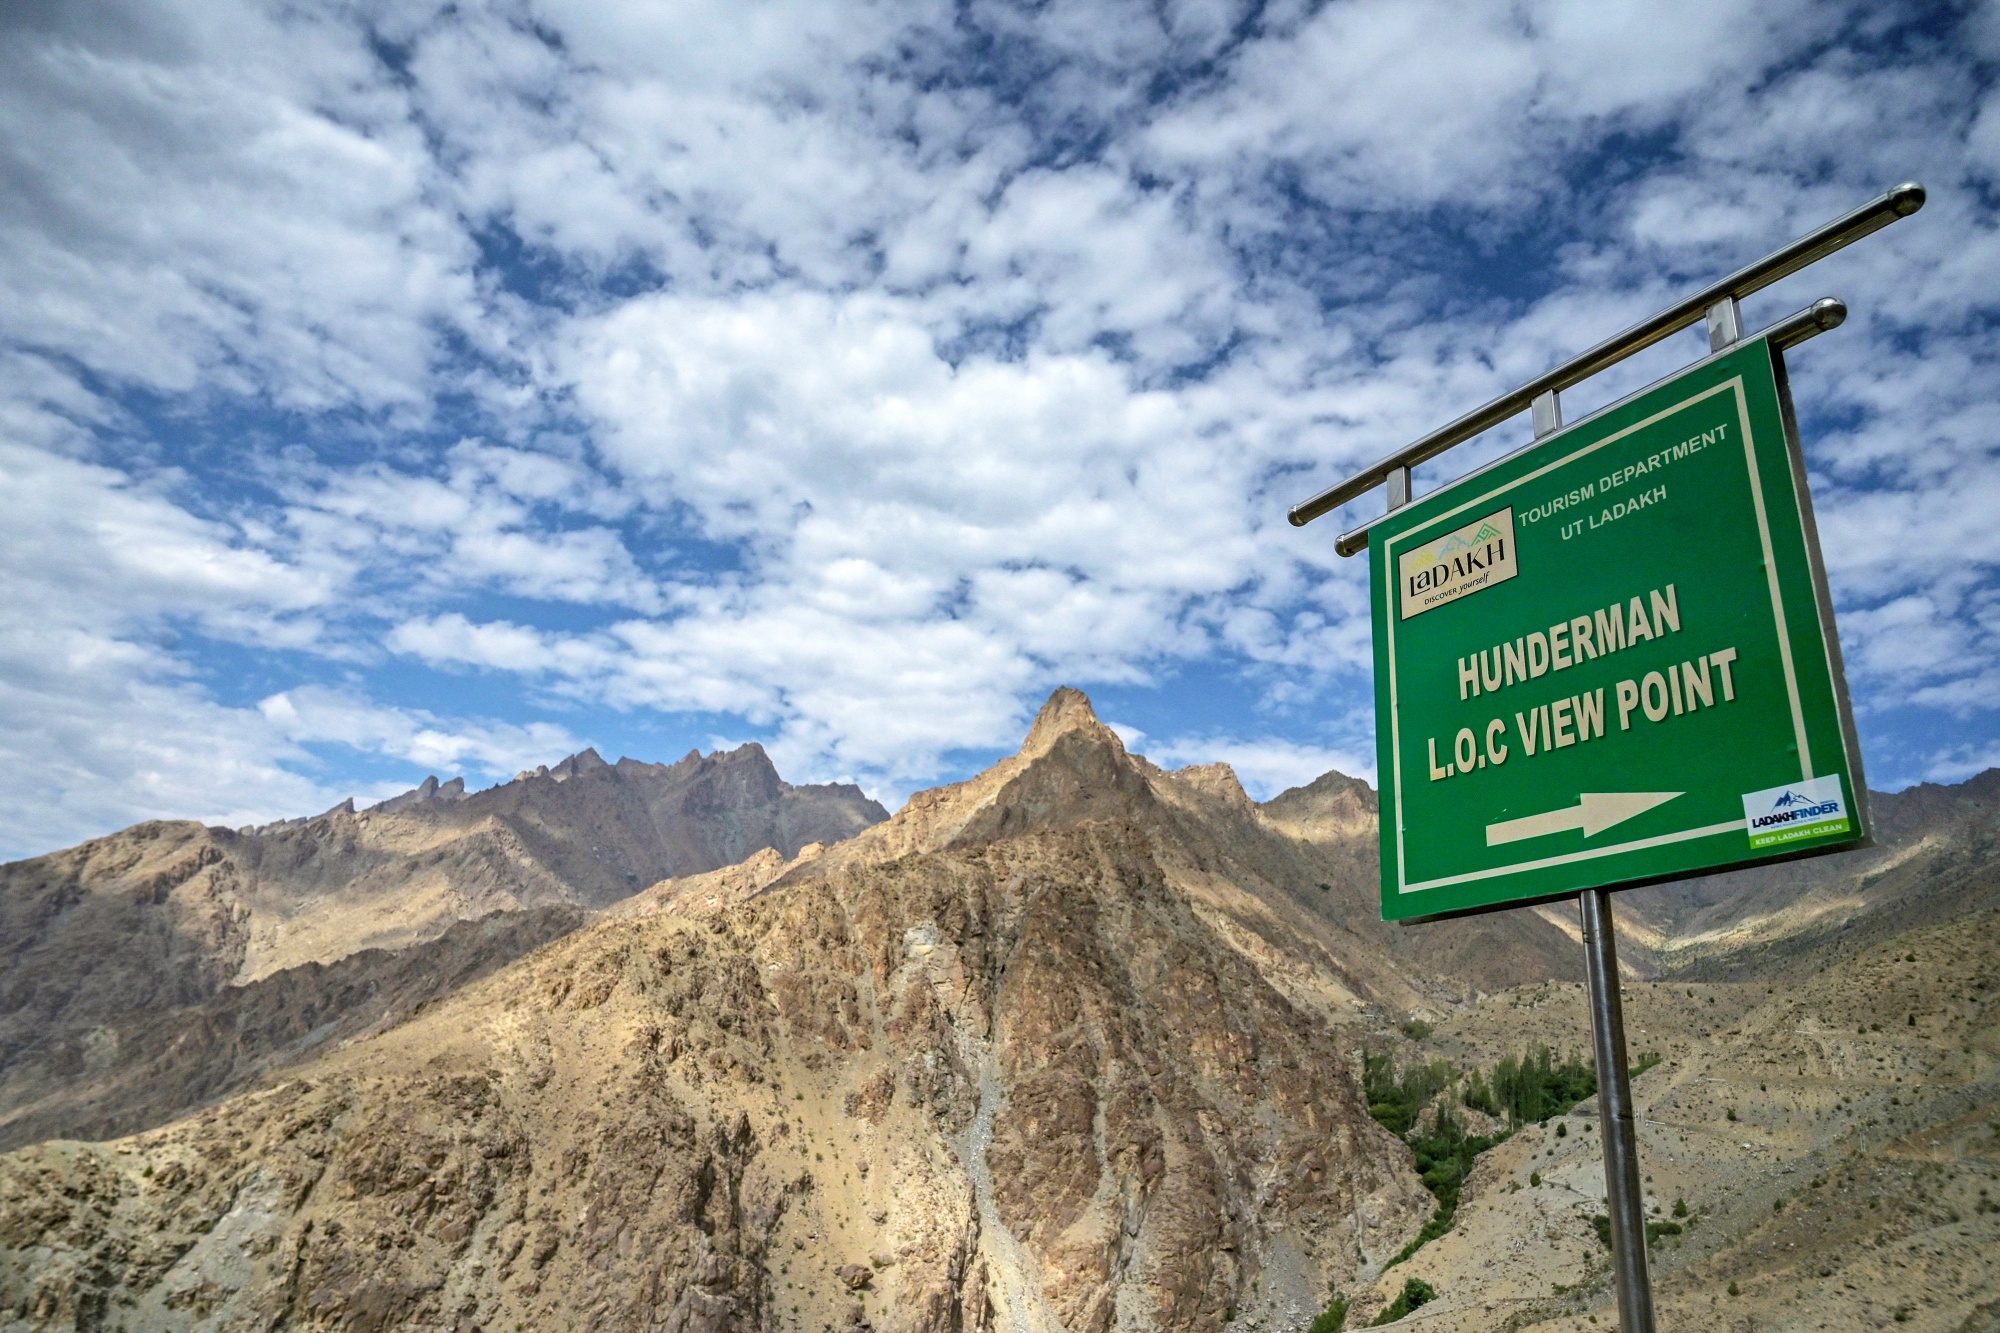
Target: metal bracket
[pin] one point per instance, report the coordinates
(1547, 413)
(1400, 487)
(1725, 324)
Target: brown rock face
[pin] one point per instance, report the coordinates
(1332, 806)
(646, 1127)
(97, 941)
(144, 1067)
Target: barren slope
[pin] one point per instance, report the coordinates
(1069, 1044)
(1024, 1078)
(152, 929)
(1840, 1163)
(147, 1066)
(1073, 1044)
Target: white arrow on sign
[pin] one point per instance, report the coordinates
(1593, 813)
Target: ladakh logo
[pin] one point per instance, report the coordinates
(1812, 809)
(1458, 564)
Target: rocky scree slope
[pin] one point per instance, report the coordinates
(99, 941)
(1068, 1045)
(1822, 1154)
(148, 1066)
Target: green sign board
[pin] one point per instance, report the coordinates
(1609, 659)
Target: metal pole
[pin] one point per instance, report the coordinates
(1878, 213)
(1819, 317)
(1623, 1199)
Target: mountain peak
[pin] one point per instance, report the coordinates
(430, 789)
(1217, 780)
(1044, 780)
(1332, 806)
(1067, 710)
(583, 761)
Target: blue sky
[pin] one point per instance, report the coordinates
(392, 390)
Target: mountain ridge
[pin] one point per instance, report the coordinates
(1075, 1043)
(168, 915)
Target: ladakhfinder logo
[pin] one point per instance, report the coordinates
(1795, 811)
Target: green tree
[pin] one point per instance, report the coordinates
(1415, 1292)
(1444, 1159)
(1395, 1099)
(1332, 1319)
(1534, 1086)
(1478, 1096)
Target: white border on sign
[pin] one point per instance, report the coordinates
(1734, 384)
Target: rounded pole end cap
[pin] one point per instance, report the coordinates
(1907, 198)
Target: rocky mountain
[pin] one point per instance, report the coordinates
(1074, 1044)
(173, 917)
(1293, 882)
(1067, 1045)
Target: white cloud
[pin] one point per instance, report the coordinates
(1959, 762)
(106, 723)
(1382, 104)
(102, 726)
(510, 519)
(850, 365)
(452, 640)
(104, 742)
(318, 714)
(724, 145)
(203, 198)
(915, 532)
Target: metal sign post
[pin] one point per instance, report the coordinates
(1609, 658)
(1624, 1200)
